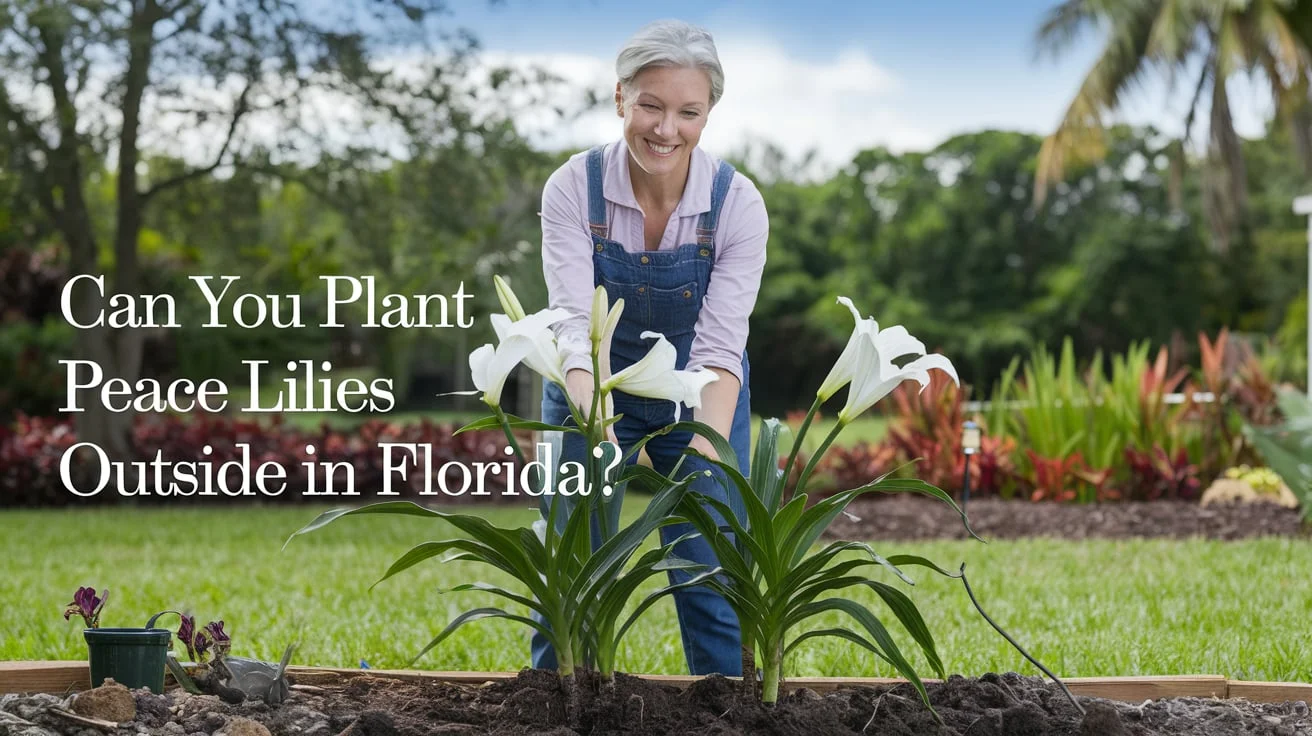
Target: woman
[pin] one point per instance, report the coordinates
(681, 238)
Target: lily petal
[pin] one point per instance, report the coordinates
(846, 367)
(490, 366)
(544, 356)
(655, 377)
(870, 386)
(893, 343)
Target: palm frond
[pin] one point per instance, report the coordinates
(1080, 135)
(1063, 24)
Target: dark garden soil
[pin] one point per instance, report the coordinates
(533, 703)
(904, 517)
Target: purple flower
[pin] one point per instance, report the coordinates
(220, 637)
(187, 634)
(87, 605)
(201, 642)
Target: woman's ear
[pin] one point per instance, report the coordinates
(619, 100)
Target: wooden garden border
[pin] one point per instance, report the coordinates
(68, 676)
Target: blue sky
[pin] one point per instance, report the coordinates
(834, 76)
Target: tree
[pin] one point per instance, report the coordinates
(1215, 40)
(222, 83)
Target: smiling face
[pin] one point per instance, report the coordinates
(664, 114)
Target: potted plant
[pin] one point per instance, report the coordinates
(133, 657)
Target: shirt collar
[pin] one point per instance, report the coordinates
(617, 187)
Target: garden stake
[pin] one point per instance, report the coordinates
(969, 446)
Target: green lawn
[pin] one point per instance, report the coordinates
(1085, 609)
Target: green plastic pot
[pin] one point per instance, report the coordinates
(135, 658)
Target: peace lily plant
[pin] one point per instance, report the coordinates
(578, 589)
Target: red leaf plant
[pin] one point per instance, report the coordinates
(926, 429)
(1154, 474)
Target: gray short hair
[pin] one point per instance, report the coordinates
(670, 43)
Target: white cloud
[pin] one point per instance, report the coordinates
(835, 106)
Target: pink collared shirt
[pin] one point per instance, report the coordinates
(721, 330)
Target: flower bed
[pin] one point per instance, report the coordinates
(901, 518)
(359, 702)
(1055, 433)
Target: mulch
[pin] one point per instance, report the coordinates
(910, 518)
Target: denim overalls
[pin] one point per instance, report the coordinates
(662, 292)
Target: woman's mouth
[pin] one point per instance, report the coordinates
(661, 151)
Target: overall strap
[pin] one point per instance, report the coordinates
(710, 220)
(596, 200)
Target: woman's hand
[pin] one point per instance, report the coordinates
(703, 445)
(580, 390)
(579, 386)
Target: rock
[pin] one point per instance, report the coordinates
(1231, 490)
(243, 727)
(152, 709)
(1101, 719)
(109, 702)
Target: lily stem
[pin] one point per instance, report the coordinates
(815, 459)
(801, 435)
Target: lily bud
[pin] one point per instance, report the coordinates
(509, 302)
(597, 323)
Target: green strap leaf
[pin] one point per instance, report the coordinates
(615, 551)
(851, 636)
(911, 620)
(767, 478)
(481, 613)
(922, 562)
(647, 602)
(729, 557)
(874, 627)
(487, 423)
(484, 552)
(495, 590)
(403, 508)
(786, 520)
(757, 551)
(759, 519)
(717, 440)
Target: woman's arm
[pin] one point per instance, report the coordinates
(719, 399)
(722, 325)
(567, 261)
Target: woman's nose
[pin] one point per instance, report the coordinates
(666, 126)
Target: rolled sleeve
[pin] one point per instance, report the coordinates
(722, 325)
(567, 261)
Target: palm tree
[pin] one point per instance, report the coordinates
(1214, 40)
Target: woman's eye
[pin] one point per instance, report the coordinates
(647, 106)
(690, 114)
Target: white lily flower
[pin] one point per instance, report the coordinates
(654, 377)
(543, 356)
(877, 376)
(846, 367)
(491, 365)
